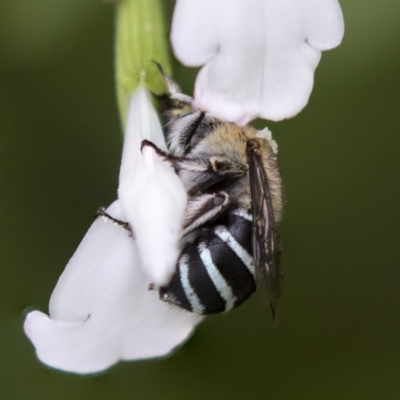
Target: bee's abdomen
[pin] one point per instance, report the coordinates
(215, 273)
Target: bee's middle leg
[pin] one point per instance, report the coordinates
(101, 212)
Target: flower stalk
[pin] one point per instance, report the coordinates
(141, 37)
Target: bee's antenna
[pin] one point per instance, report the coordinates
(171, 85)
(173, 88)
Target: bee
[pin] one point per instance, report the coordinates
(230, 241)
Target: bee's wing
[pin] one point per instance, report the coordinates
(265, 236)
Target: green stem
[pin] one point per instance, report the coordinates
(141, 38)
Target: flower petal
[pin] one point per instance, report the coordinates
(258, 56)
(195, 30)
(152, 195)
(101, 310)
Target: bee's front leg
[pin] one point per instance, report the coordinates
(147, 143)
(163, 154)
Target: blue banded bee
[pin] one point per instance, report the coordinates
(230, 243)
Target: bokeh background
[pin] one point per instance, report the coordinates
(60, 145)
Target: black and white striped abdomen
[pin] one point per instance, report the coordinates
(215, 273)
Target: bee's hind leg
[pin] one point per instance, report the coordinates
(203, 209)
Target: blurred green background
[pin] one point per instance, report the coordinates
(60, 145)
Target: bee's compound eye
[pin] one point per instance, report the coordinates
(218, 200)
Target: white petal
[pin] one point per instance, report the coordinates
(142, 123)
(101, 310)
(151, 194)
(195, 28)
(258, 56)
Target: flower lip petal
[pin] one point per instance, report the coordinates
(101, 310)
(258, 57)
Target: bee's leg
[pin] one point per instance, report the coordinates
(221, 166)
(202, 174)
(101, 212)
(193, 164)
(173, 88)
(203, 209)
(190, 133)
(167, 157)
(147, 143)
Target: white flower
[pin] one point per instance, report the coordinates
(101, 310)
(258, 56)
